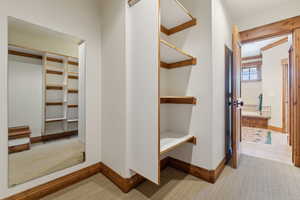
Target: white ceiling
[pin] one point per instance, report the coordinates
(253, 49)
(243, 8)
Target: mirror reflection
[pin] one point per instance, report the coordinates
(45, 101)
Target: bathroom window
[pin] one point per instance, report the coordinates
(251, 73)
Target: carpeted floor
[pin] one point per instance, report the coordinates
(43, 159)
(256, 179)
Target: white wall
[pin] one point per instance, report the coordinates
(251, 91)
(272, 81)
(113, 85)
(268, 16)
(74, 17)
(25, 93)
(222, 35)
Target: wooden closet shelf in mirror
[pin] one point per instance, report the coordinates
(54, 103)
(54, 87)
(72, 120)
(171, 140)
(173, 57)
(72, 106)
(72, 77)
(50, 71)
(72, 91)
(55, 120)
(178, 100)
(174, 17)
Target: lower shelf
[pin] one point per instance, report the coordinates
(171, 140)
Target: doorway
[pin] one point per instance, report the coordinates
(264, 32)
(264, 90)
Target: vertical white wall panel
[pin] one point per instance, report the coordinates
(143, 88)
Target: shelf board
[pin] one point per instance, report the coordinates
(72, 91)
(178, 100)
(72, 120)
(18, 132)
(54, 87)
(173, 57)
(55, 72)
(170, 140)
(55, 120)
(72, 106)
(72, 77)
(54, 103)
(174, 17)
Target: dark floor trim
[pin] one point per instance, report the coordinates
(125, 184)
(55, 136)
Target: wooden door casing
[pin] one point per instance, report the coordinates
(236, 95)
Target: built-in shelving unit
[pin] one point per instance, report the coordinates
(61, 93)
(173, 57)
(174, 17)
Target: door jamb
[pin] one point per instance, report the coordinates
(272, 30)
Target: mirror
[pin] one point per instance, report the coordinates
(46, 122)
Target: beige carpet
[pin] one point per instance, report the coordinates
(256, 179)
(44, 159)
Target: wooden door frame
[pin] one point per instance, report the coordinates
(283, 27)
(236, 95)
(285, 85)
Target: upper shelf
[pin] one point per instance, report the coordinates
(173, 57)
(174, 17)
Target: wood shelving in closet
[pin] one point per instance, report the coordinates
(175, 18)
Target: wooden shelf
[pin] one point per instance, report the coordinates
(19, 132)
(72, 91)
(72, 77)
(54, 103)
(173, 57)
(72, 106)
(50, 71)
(174, 17)
(55, 120)
(54, 87)
(171, 140)
(178, 100)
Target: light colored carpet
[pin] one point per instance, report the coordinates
(256, 179)
(43, 159)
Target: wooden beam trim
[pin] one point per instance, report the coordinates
(275, 44)
(270, 30)
(252, 58)
(248, 64)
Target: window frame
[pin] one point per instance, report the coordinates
(258, 69)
